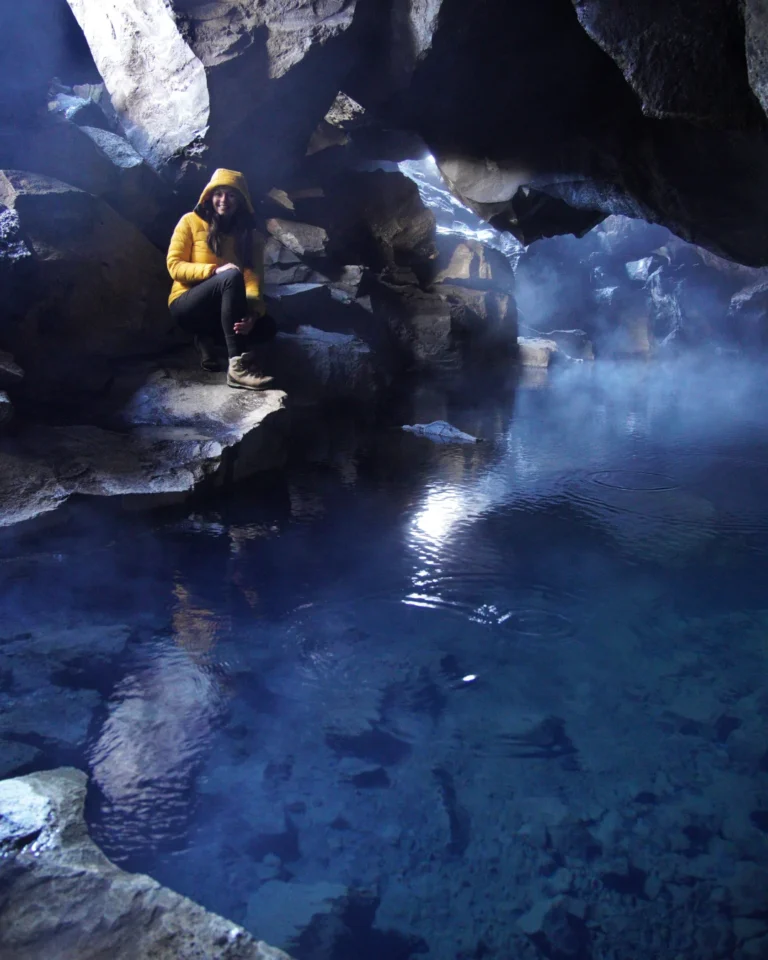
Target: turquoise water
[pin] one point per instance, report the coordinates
(501, 700)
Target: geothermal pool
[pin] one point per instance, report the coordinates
(503, 700)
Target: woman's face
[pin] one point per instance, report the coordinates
(225, 201)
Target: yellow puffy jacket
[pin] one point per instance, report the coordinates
(190, 260)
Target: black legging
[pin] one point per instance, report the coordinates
(215, 306)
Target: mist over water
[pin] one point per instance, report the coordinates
(460, 680)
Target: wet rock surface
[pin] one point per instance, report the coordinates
(173, 429)
(62, 897)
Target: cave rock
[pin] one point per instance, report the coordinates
(100, 287)
(97, 161)
(319, 366)
(251, 81)
(62, 897)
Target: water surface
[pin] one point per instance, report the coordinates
(495, 700)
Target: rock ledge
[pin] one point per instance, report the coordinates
(61, 897)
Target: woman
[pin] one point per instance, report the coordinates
(216, 262)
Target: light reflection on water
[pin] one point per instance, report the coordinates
(296, 709)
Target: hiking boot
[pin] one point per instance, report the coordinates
(239, 376)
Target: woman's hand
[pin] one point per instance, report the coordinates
(227, 266)
(243, 327)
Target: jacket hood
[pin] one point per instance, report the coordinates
(226, 178)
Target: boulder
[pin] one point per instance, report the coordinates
(470, 262)
(574, 344)
(376, 219)
(101, 287)
(535, 352)
(318, 366)
(483, 322)
(301, 239)
(97, 161)
(178, 428)
(418, 323)
(60, 896)
(79, 110)
(290, 62)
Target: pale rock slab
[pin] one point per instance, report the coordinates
(61, 897)
(535, 352)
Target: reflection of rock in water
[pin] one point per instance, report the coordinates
(159, 723)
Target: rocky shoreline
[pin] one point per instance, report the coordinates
(61, 897)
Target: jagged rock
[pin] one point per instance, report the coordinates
(101, 287)
(178, 426)
(536, 352)
(326, 135)
(62, 897)
(11, 373)
(749, 314)
(97, 161)
(290, 62)
(301, 239)
(78, 110)
(376, 219)
(419, 323)
(687, 45)
(640, 269)
(484, 322)
(474, 263)
(97, 92)
(574, 344)
(344, 111)
(321, 366)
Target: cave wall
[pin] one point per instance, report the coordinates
(545, 117)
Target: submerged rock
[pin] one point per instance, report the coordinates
(284, 910)
(440, 432)
(60, 896)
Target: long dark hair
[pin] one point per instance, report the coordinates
(239, 226)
